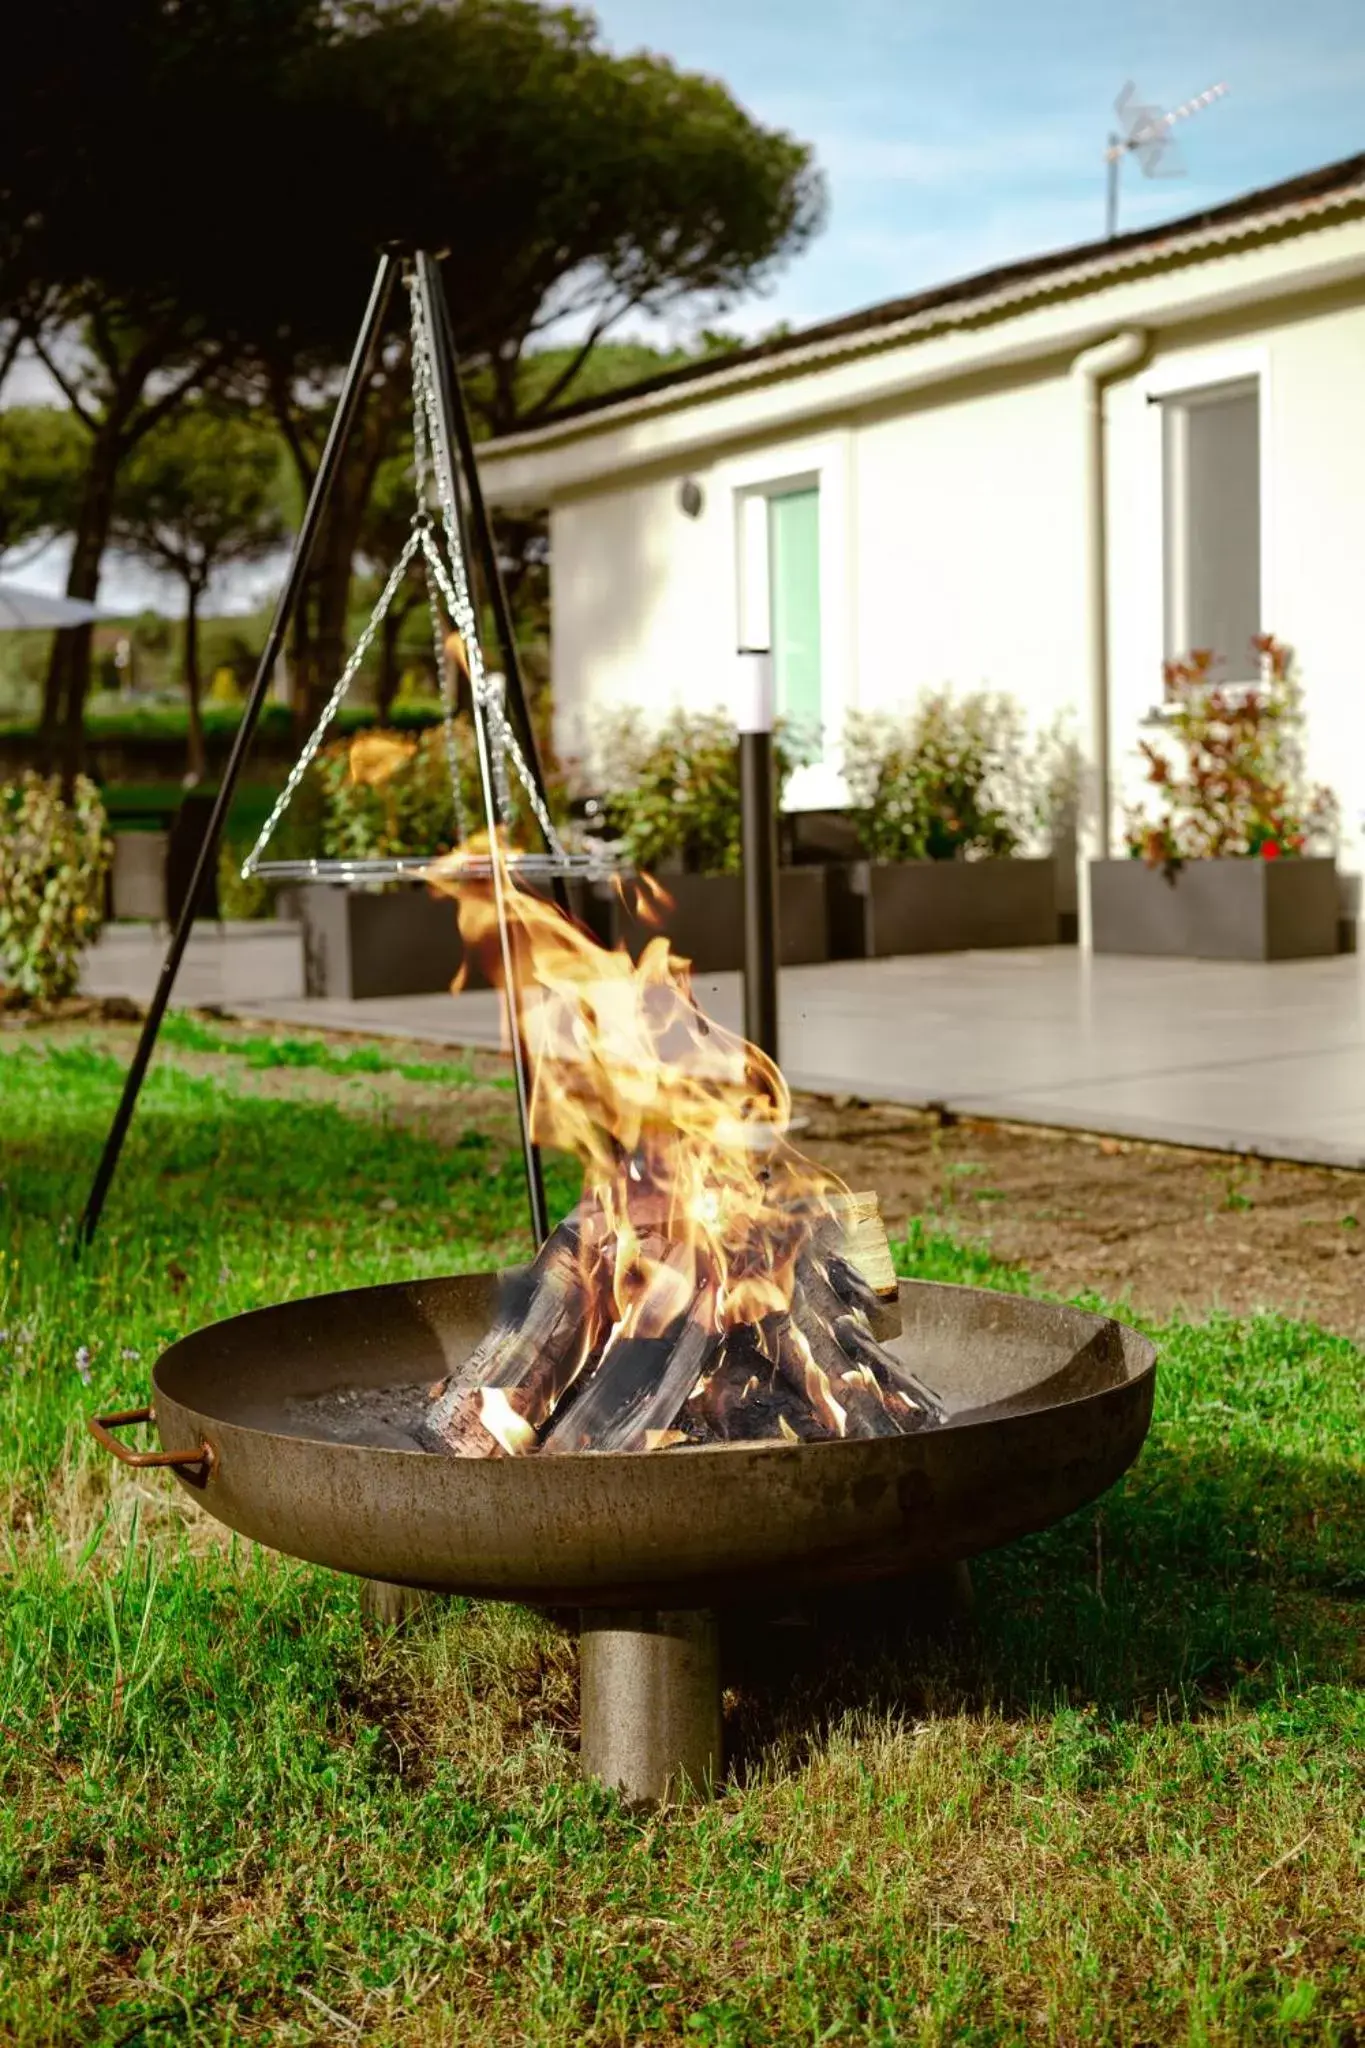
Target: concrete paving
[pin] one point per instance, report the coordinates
(1260, 1059)
(259, 961)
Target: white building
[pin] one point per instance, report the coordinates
(1043, 479)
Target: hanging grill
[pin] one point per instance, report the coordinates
(438, 535)
(435, 540)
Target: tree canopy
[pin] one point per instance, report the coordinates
(41, 460)
(201, 490)
(200, 188)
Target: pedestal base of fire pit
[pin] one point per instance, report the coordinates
(649, 1701)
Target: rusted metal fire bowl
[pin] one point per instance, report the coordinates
(290, 1425)
(1048, 1405)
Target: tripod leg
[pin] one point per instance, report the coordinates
(343, 422)
(488, 554)
(447, 409)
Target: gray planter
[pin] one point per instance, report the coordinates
(356, 944)
(1216, 909)
(940, 906)
(706, 922)
(137, 876)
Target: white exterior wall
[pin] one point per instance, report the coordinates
(639, 593)
(950, 472)
(969, 549)
(1311, 372)
(949, 552)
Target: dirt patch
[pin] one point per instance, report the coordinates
(1159, 1227)
(19, 1012)
(1156, 1226)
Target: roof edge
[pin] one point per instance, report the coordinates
(1306, 200)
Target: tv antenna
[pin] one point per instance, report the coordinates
(1145, 132)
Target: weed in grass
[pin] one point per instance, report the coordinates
(1124, 1810)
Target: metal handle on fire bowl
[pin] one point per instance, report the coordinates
(101, 1427)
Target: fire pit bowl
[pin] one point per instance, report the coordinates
(291, 1424)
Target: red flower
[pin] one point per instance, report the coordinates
(1270, 849)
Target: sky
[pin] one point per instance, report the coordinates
(957, 134)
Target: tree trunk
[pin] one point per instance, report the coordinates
(301, 685)
(388, 662)
(339, 541)
(62, 734)
(198, 752)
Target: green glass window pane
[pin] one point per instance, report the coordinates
(794, 557)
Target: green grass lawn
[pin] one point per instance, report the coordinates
(1126, 1805)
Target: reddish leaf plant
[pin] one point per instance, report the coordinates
(1234, 785)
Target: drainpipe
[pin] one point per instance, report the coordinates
(1092, 371)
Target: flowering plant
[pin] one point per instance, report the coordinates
(671, 793)
(1238, 784)
(943, 782)
(387, 794)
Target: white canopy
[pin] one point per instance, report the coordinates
(36, 610)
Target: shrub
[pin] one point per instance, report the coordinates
(54, 857)
(242, 897)
(945, 782)
(1235, 783)
(406, 809)
(387, 794)
(671, 795)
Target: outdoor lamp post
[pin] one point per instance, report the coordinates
(757, 781)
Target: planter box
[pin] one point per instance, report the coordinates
(1216, 909)
(706, 922)
(940, 906)
(137, 876)
(402, 942)
(358, 944)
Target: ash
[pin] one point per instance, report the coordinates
(384, 1418)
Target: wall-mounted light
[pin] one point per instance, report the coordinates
(691, 497)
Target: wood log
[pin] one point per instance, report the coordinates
(821, 1291)
(516, 1376)
(641, 1382)
(841, 1394)
(746, 1399)
(855, 1234)
(539, 1379)
(890, 1372)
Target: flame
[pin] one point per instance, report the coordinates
(680, 1125)
(503, 1423)
(376, 756)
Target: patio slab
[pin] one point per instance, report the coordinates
(1242, 1057)
(255, 961)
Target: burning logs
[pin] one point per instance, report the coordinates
(856, 1239)
(516, 1378)
(566, 1368)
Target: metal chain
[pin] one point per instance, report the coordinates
(449, 578)
(455, 589)
(502, 739)
(495, 705)
(333, 704)
(449, 692)
(423, 466)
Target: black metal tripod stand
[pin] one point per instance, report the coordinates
(454, 457)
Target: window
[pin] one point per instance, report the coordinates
(794, 587)
(1212, 494)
